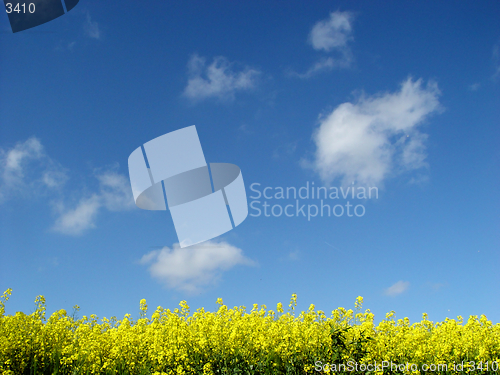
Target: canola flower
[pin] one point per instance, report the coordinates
(234, 341)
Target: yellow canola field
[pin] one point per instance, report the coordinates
(234, 341)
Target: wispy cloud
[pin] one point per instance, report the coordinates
(397, 288)
(76, 220)
(285, 150)
(375, 137)
(114, 194)
(474, 86)
(27, 170)
(189, 269)
(496, 60)
(324, 65)
(294, 255)
(331, 36)
(114, 190)
(92, 28)
(437, 286)
(219, 79)
(14, 160)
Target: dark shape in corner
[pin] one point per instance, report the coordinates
(31, 13)
(70, 4)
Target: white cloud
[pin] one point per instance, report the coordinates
(367, 141)
(115, 191)
(114, 194)
(92, 28)
(15, 160)
(30, 149)
(76, 220)
(398, 288)
(333, 33)
(218, 79)
(26, 169)
(331, 36)
(189, 269)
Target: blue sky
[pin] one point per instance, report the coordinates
(399, 96)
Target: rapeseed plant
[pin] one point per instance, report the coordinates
(234, 341)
